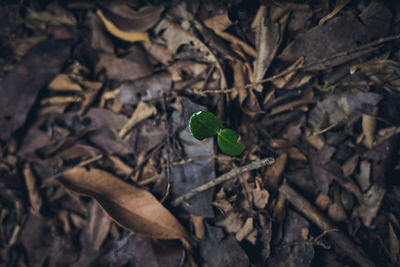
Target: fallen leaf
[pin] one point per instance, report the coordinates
(339, 5)
(369, 127)
(133, 66)
(350, 165)
(142, 112)
(297, 254)
(175, 37)
(372, 200)
(136, 250)
(22, 85)
(267, 41)
(219, 251)
(363, 178)
(131, 207)
(339, 34)
(146, 88)
(197, 172)
(123, 35)
(33, 191)
(339, 106)
(63, 82)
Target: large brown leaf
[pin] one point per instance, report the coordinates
(18, 90)
(131, 207)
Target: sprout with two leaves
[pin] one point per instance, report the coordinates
(204, 124)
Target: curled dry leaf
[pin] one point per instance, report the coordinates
(123, 35)
(131, 207)
(129, 20)
(369, 127)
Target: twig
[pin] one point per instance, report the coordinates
(290, 70)
(337, 238)
(82, 164)
(223, 178)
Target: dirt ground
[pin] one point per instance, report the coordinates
(98, 167)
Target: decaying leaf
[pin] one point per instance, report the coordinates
(22, 85)
(176, 36)
(142, 112)
(131, 207)
(268, 36)
(146, 88)
(129, 20)
(339, 106)
(123, 35)
(372, 200)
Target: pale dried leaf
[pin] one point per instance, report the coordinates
(339, 5)
(369, 127)
(142, 112)
(62, 82)
(372, 200)
(123, 35)
(33, 192)
(245, 230)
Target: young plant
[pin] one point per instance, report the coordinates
(204, 124)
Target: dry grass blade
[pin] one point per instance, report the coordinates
(131, 207)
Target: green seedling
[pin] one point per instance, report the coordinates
(204, 124)
(327, 89)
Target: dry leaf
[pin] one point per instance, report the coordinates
(62, 82)
(130, 20)
(372, 200)
(267, 42)
(142, 112)
(350, 165)
(369, 127)
(123, 35)
(131, 207)
(393, 244)
(273, 174)
(34, 196)
(245, 230)
(219, 22)
(175, 36)
(339, 5)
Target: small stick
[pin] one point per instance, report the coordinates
(337, 238)
(223, 178)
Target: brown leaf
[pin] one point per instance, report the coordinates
(146, 88)
(372, 200)
(136, 250)
(369, 127)
(131, 207)
(34, 196)
(129, 20)
(339, 106)
(123, 35)
(175, 37)
(268, 38)
(125, 68)
(63, 82)
(273, 174)
(20, 87)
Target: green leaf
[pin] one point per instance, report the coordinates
(204, 124)
(228, 142)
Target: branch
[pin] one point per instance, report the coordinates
(225, 177)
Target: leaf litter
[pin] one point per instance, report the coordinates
(97, 165)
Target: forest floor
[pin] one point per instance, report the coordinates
(96, 158)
